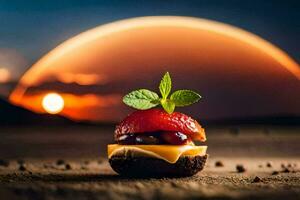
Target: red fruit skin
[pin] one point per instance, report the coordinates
(158, 120)
(175, 138)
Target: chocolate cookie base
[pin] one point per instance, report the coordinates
(154, 167)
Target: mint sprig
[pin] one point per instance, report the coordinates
(165, 85)
(141, 99)
(144, 99)
(184, 97)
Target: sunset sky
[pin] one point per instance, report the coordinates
(227, 51)
(29, 29)
(238, 73)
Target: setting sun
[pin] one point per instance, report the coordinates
(53, 103)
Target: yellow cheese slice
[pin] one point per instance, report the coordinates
(169, 153)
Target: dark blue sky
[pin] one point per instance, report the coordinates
(35, 27)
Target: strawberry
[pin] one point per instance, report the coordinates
(158, 120)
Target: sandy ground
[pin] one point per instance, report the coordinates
(70, 163)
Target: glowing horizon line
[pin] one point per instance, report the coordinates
(179, 21)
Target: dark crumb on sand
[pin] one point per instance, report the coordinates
(22, 167)
(269, 164)
(4, 163)
(60, 162)
(286, 170)
(275, 173)
(68, 166)
(219, 164)
(240, 168)
(256, 179)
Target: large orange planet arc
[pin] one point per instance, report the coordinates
(218, 59)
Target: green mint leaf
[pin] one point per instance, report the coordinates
(184, 97)
(168, 105)
(141, 99)
(165, 85)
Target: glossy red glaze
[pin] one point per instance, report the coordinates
(158, 120)
(175, 138)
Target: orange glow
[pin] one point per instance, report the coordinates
(94, 69)
(81, 79)
(53, 103)
(146, 22)
(77, 107)
(4, 75)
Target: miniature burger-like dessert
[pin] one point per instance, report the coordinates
(154, 142)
